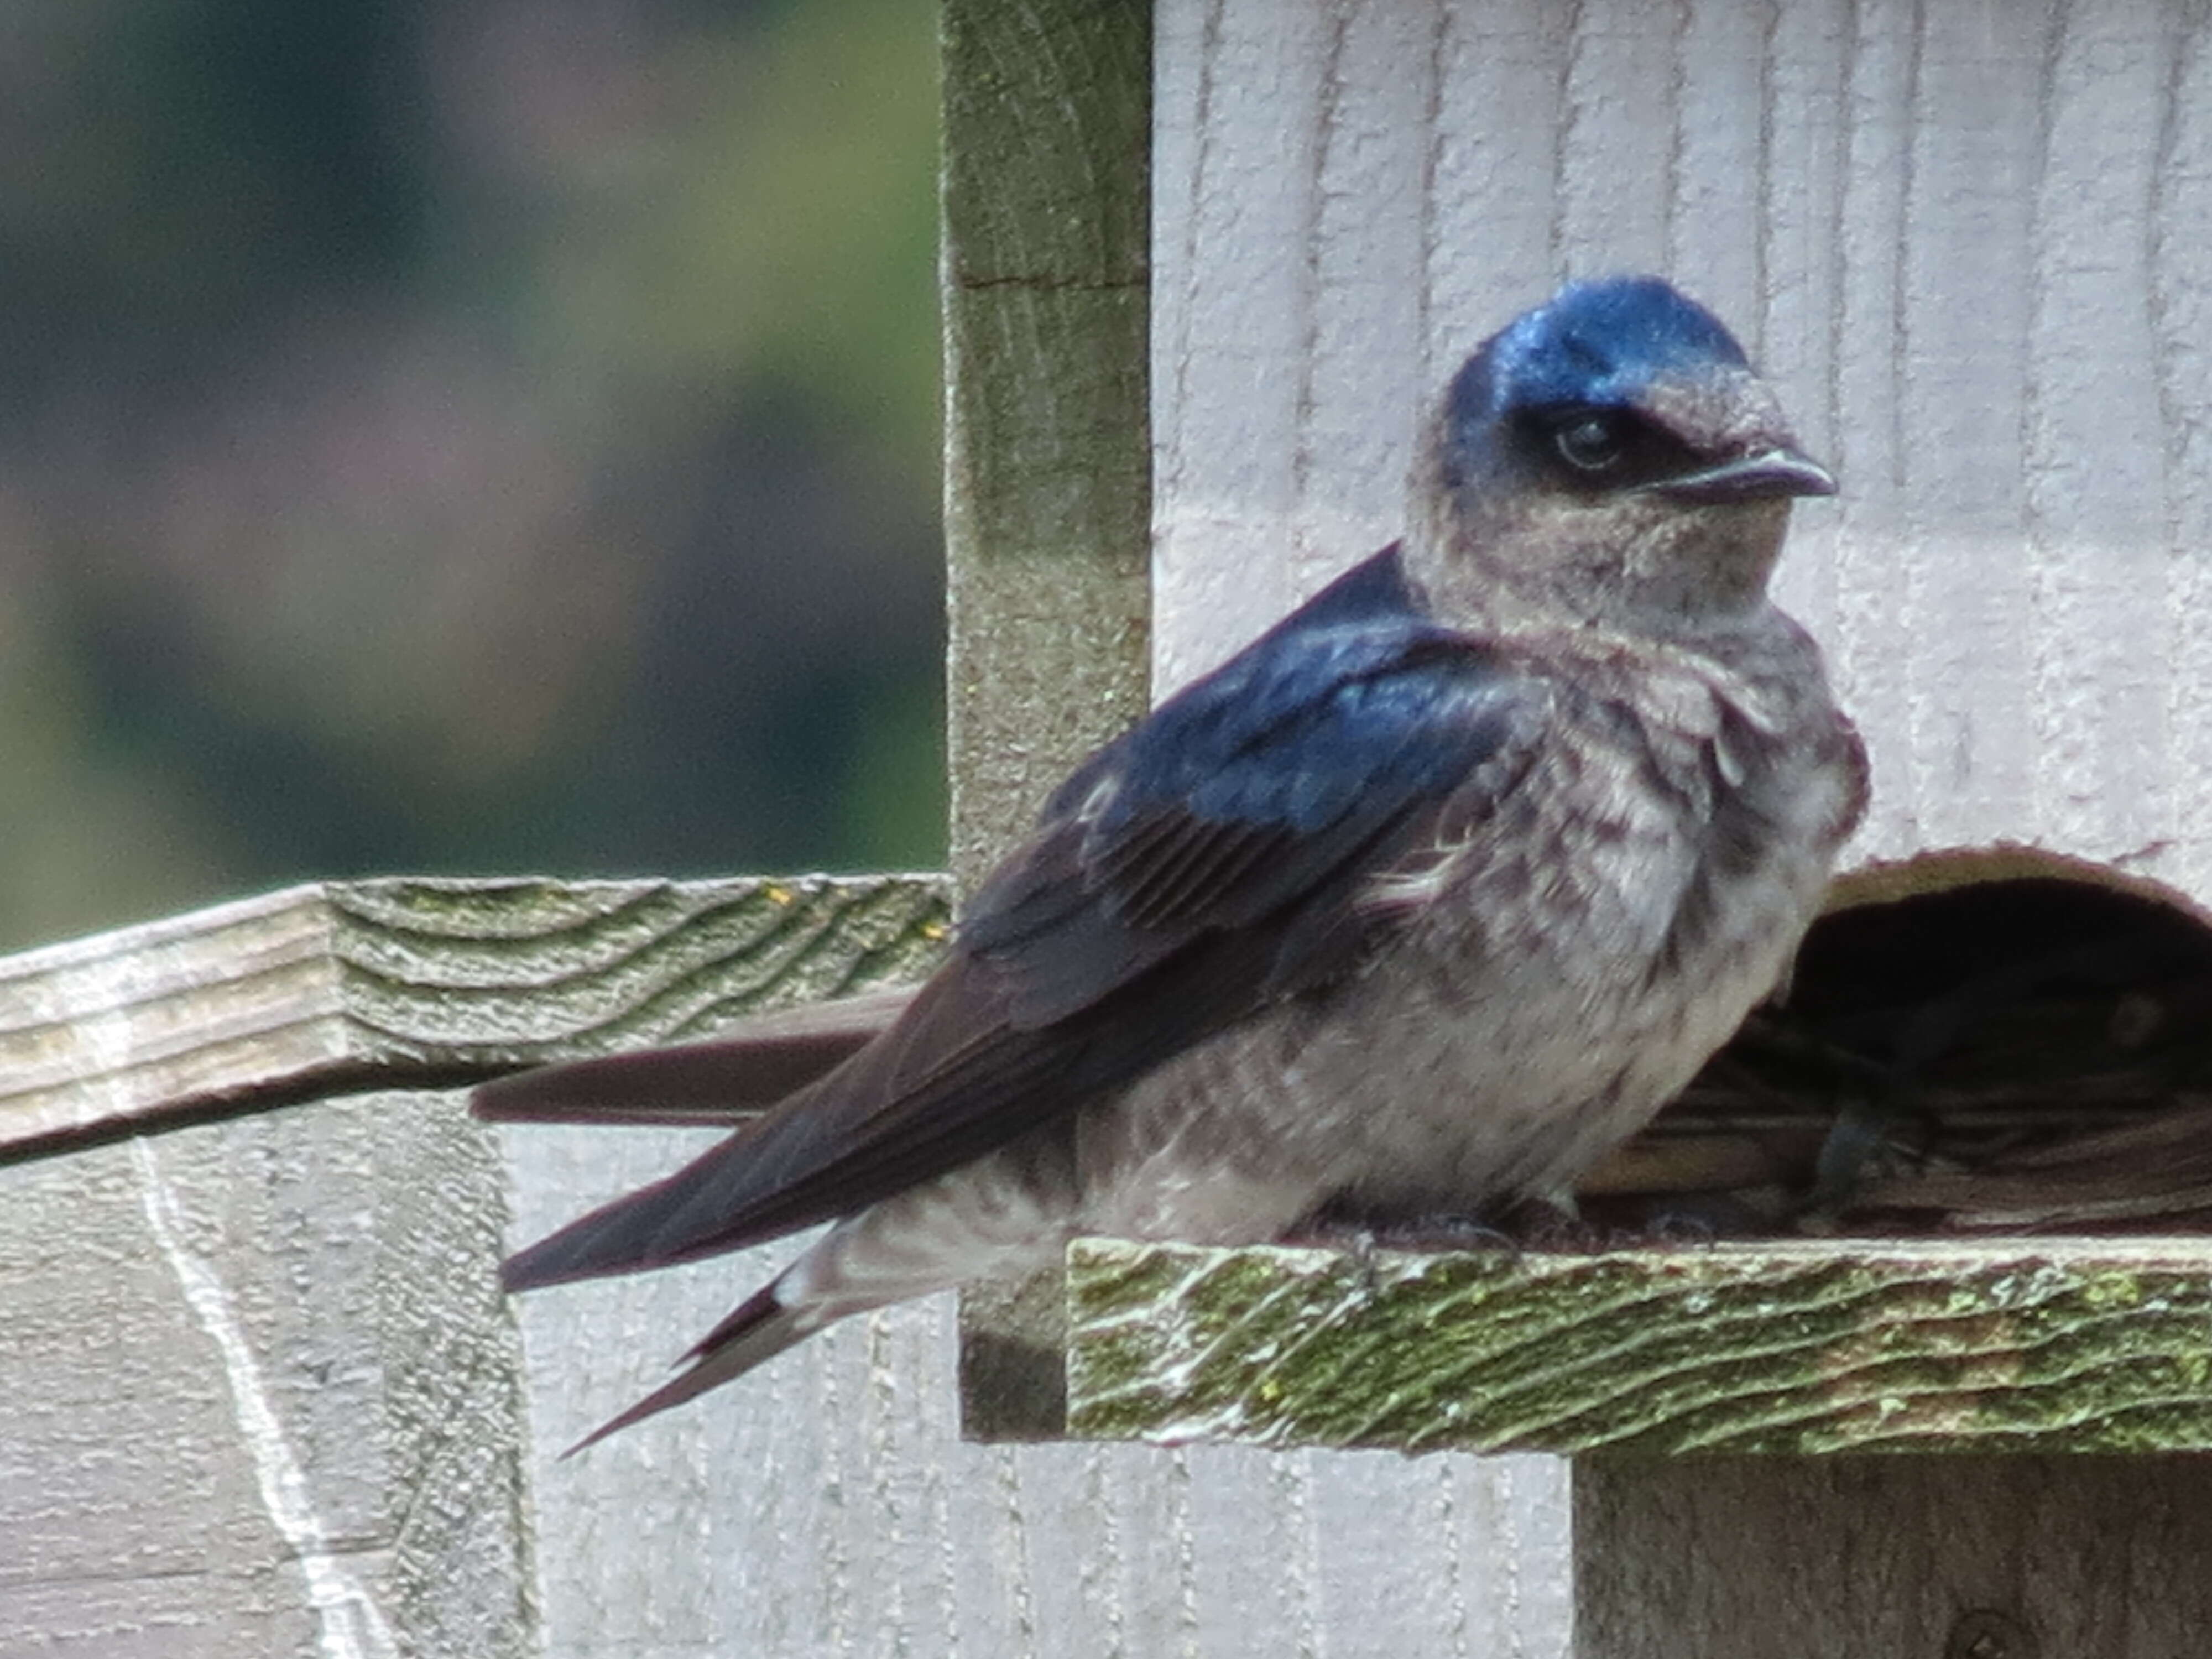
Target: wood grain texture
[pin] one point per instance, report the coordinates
(1045, 196)
(1046, 459)
(336, 984)
(1967, 1557)
(1971, 244)
(1794, 1349)
(259, 1393)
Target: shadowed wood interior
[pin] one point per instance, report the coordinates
(2008, 1042)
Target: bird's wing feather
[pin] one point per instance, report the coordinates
(1210, 860)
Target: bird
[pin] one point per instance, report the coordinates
(1422, 902)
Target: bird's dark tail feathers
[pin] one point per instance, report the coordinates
(645, 1229)
(719, 1083)
(759, 1328)
(730, 1081)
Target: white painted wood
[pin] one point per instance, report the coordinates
(826, 1504)
(1971, 242)
(259, 1393)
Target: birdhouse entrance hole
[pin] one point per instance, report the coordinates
(1997, 1040)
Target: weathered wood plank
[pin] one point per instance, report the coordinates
(2060, 1345)
(333, 984)
(259, 1393)
(1949, 1557)
(1046, 200)
(1969, 246)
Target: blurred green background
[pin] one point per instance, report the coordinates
(490, 436)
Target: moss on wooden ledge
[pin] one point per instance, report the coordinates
(2089, 1346)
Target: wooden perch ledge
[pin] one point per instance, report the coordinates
(1861, 1228)
(2062, 1344)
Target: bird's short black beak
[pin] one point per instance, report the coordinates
(1765, 476)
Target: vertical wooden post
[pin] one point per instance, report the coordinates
(1047, 478)
(1047, 494)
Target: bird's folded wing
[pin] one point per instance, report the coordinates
(1210, 860)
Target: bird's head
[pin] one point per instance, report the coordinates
(1611, 456)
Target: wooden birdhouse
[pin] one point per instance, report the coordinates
(1966, 242)
(1892, 1336)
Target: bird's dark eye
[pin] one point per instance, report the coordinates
(1591, 443)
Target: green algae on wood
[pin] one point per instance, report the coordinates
(1045, 263)
(2089, 1346)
